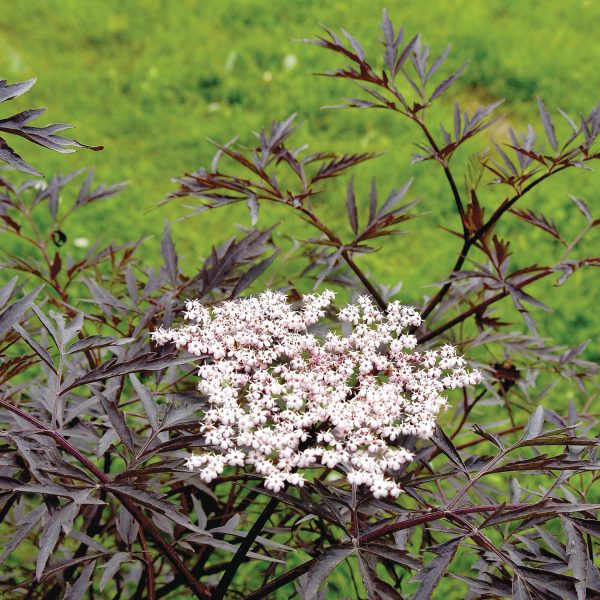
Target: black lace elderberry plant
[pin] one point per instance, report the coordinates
(98, 422)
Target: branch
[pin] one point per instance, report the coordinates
(149, 567)
(466, 314)
(469, 242)
(447, 173)
(243, 549)
(507, 205)
(365, 281)
(466, 412)
(434, 516)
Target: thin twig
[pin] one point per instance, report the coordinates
(365, 281)
(466, 411)
(243, 550)
(473, 310)
(149, 567)
(435, 516)
(453, 187)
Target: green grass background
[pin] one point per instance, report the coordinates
(152, 80)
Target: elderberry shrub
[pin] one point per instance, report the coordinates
(280, 438)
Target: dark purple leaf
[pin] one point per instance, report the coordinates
(112, 566)
(9, 156)
(201, 517)
(155, 503)
(505, 158)
(590, 526)
(339, 164)
(42, 136)
(39, 350)
(548, 126)
(253, 208)
(520, 591)
(432, 572)
(8, 91)
(116, 419)
(355, 45)
(169, 254)
(131, 283)
(103, 297)
(252, 274)
(457, 121)
(351, 206)
(440, 89)
(581, 205)
(494, 439)
(112, 368)
(444, 443)
(147, 400)
(561, 585)
(320, 570)
(25, 527)
(577, 554)
(405, 53)
(538, 221)
(541, 510)
(437, 63)
(96, 341)
(127, 526)
(6, 291)
(395, 196)
(390, 42)
(85, 196)
(14, 312)
(400, 557)
(535, 424)
(60, 520)
(373, 201)
(375, 587)
(77, 591)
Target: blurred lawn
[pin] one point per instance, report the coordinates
(152, 80)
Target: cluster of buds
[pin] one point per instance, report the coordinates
(283, 398)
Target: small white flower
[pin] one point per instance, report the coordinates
(275, 482)
(81, 242)
(290, 61)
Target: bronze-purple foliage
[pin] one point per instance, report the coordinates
(97, 421)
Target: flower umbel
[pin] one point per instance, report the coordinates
(283, 399)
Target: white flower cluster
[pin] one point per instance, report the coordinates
(283, 399)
